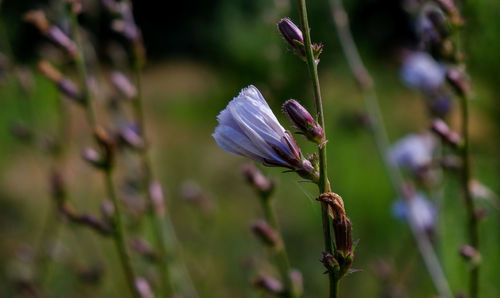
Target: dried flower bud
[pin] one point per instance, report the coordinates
(443, 130)
(292, 35)
(268, 284)
(38, 19)
(265, 233)
(156, 193)
(123, 84)
(459, 81)
(303, 120)
(257, 180)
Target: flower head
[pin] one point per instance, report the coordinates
(413, 151)
(418, 209)
(248, 127)
(421, 71)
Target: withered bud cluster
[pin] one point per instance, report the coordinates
(263, 185)
(266, 233)
(53, 33)
(65, 85)
(341, 261)
(303, 121)
(293, 36)
(441, 128)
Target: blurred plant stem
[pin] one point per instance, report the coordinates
(379, 133)
(472, 220)
(324, 183)
(280, 250)
(160, 220)
(119, 231)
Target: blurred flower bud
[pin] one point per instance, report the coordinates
(156, 193)
(143, 288)
(297, 282)
(266, 234)
(130, 135)
(303, 120)
(459, 81)
(442, 129)
(269, 284)
(257, 180)
(107, 144)
(65, 85)
(292, 35)
(93, 157)
(38, 19)
(418, 209)
(143, 248)
(60, 38)
(107, 209)
(471, 254)
(123, 85)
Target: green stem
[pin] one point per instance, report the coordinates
(472, 222)
(281, 255)
(119, 234)
(323, 183)
(161, 223)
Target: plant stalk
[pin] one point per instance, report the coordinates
(323, 184)
(472, 221)
(119, 234)
(379, 133)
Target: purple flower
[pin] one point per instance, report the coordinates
(421, 71)
(413, 151)
(421, 211)
(248, 127)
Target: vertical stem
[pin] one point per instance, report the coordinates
(323, 184)
(472, 223)
(161, 222)
(379, 133)
(119, 234)
(280, 252)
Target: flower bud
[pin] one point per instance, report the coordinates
(143, 288)
(443, 130)
(131, 137)
(65, 85)
(292, 35)
(123, 85)
(471, 254)
(156, 193)
(93, 157)
(303, 120)
(257, 180)
(265, 233)
(268, 284)
(458, 81)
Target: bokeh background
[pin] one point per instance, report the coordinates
(200, 54)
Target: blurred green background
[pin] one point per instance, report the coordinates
(201, 53)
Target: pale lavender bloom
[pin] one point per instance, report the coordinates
(419, 209)
(413, 151)
(421, 71)
(248, 127)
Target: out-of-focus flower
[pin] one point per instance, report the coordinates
(418, 209)
(422, 72)
(123, 84)
(248, 127)
(413, 151)
(301, 118)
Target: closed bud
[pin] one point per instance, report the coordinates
(269, 284)
(123, 85)
(265, 233)
(443, 130)
(303, 120)
(458, 81)
(93, 157)
(107, 209)
(143, 288)
(292, 35)
(130, 135)
(107, 144)
(65, 85)
(156, 193)
(471, 254)
(257, 180)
